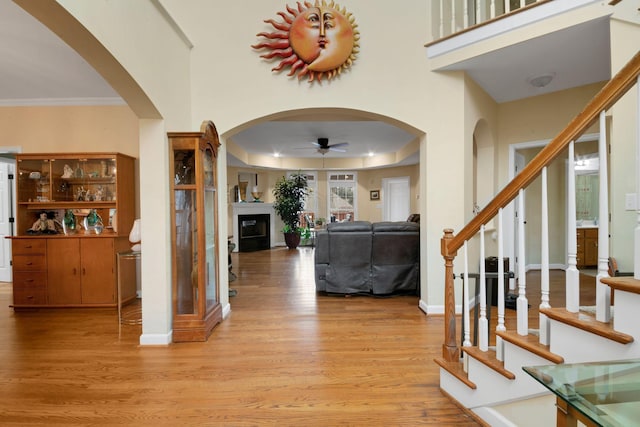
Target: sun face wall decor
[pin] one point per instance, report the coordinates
(316, 40)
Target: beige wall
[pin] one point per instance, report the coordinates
(72, 129)
(623, 139)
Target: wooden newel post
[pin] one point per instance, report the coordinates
(450, 351)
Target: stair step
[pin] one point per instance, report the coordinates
(489, 359)
(532, 344)
(587, 322)
(457, 370)
(627, 284)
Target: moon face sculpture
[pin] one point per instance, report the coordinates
(316, 40)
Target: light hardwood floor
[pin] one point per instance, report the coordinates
(284, 357)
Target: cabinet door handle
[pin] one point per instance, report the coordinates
(28, 247)
(29, 263)
(84, 272)
(75, 271)
(29, 280)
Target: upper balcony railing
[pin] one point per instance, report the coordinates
(457, 16)
(451, 18)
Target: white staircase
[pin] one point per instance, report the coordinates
(491, 383)
(501, 393)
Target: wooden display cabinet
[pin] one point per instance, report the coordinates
(194, 239)
(587, 247)
(58, 266)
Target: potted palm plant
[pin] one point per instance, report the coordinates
(289, 196)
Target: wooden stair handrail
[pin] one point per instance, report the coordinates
(602, 101)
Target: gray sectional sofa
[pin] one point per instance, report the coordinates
(360, 257)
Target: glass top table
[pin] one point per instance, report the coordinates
(596, 394)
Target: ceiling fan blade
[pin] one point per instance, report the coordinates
(340, 144)
(338, 150)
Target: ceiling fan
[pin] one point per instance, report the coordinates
(323, 146)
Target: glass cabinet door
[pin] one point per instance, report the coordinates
(186, 252)
(90, 179)
(210, 230)
(34, 183)
(186, 239)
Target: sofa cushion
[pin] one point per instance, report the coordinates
(349, 226)
(395, 258)
(349, 268)
(397, 226)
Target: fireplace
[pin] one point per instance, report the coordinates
(253, 232)
(250, 209)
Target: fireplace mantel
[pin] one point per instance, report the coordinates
(252, 208)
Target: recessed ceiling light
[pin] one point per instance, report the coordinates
(541, 80)
(276, 154)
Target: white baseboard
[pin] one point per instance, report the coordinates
(436, 309)
(156, 339)
(226, 310)
(551, 267)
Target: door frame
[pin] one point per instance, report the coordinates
(7, 156)
(510, 223)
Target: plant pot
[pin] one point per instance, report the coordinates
(292, 240)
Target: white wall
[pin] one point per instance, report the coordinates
(232, 85)
(623, 137)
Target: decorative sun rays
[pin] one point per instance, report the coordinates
(316, 40)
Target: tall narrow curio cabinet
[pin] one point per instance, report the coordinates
(194, 239)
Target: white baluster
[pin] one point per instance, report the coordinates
(466, 340)
(507, 6)
(453, 17)
(572, 275)
(544, 258)
(483, 324)
(500, 327)
(636, 253)
(492, 9)
(465, 301)
(603, 292)
(522, 305)
(465, 14)
(442, 33)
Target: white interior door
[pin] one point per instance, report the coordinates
(395, 198)
(6, 209)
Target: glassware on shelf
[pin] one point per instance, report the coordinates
(93, 222)
(69, 222)
(79, 173)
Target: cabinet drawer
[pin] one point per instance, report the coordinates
(33, 296)
(29, 246)
(29, 279)
(29, 263)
